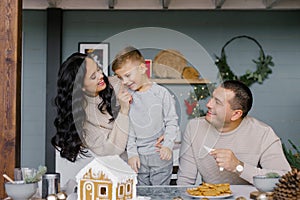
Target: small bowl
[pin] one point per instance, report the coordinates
(264, 183)
(20, 190)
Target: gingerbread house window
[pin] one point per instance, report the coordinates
(121, 191)
(128, 188)
(102, 191)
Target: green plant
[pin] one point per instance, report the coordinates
(37, 177)
(272, 175)
(292, 157)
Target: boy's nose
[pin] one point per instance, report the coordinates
(125, 80)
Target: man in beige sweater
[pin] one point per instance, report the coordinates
(227, 145)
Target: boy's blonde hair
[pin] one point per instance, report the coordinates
(127, 54)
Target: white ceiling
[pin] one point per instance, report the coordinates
(164, 4)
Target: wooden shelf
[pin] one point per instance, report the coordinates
(181, 81)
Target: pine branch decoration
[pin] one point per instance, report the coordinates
(293, 158)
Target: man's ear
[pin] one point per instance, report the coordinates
(237, 114)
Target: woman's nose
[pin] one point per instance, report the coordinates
(100, 75)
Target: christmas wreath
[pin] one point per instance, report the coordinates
(263, 64)
(201, 92)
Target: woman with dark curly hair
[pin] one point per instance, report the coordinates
(89, 116)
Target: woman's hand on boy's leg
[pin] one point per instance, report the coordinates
(165, 153)
(134, 163)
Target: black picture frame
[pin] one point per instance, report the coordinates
(99, 51)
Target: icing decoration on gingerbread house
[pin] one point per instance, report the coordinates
(107, 177)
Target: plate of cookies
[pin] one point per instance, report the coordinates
(210, 191)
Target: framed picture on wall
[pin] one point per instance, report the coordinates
(148, 63)
(98, 51)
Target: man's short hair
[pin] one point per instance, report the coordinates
(243, 97)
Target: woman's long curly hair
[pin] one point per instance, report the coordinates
(70, 105)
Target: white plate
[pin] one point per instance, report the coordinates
(211, 197)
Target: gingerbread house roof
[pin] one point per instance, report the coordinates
(114, 167)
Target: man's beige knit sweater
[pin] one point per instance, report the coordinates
(253, 143)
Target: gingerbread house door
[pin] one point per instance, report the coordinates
(88, 190)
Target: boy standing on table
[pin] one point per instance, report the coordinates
(152, 115)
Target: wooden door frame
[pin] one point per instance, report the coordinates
(10, 87)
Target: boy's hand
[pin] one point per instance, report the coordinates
(159, 140)
(134, 163)
(165, 153)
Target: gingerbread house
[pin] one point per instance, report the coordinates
(107, 177)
